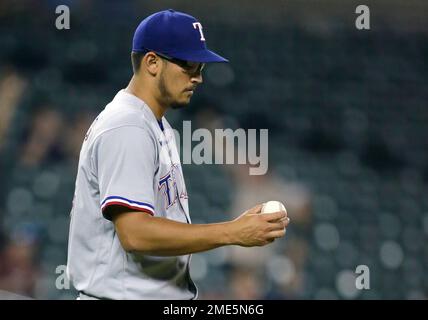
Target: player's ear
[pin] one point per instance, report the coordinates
(152, 63)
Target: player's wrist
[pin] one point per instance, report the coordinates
(228, 236)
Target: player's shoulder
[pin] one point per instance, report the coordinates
(124, 111)
(123, 116)
(121, 112)
(119, 115)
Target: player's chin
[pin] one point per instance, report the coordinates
(180, 104)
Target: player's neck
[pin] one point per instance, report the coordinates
(143, 93)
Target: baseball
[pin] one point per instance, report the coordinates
(273, 206)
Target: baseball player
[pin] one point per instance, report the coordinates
(131, 235)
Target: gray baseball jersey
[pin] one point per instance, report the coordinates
(127, 159)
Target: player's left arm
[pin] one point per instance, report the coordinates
(151, 235)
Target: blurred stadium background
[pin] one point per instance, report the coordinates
(348, 150)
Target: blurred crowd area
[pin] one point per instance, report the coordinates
(348, 150)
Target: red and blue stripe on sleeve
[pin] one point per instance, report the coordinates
(131, 204)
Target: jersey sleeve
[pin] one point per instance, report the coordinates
(125, 162)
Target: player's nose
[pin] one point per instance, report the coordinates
(197, 79)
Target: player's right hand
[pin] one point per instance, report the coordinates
(254, 229)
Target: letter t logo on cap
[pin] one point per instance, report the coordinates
(197, 25)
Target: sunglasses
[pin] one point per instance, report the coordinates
(191, 68)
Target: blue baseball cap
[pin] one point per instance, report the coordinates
(174, 34)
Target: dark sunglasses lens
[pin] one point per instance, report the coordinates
(194, 67)
(191, 67)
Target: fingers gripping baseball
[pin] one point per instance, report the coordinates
(255, 229)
